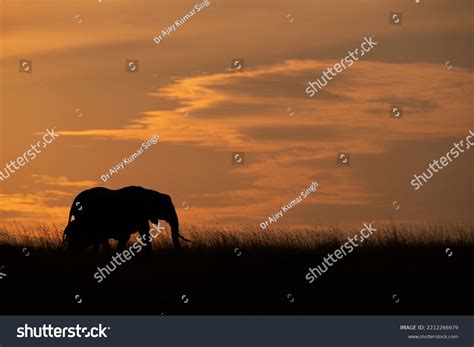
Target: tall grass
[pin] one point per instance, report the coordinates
(49, 236)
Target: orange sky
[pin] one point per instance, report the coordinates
(82, 66)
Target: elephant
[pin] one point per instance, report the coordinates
(78, 236)
(101, 214)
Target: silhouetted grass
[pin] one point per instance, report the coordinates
(49, 236)
(410, 261)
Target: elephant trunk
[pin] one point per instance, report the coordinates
(174, 224)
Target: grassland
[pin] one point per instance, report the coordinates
(49, 236)
(401, 269)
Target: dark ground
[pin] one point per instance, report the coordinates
(259, 281)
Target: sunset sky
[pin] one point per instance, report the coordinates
(78, 51)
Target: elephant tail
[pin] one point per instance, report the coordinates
(176, 235)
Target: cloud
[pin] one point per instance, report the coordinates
(83, 65)
(61, 181)
(422, 89)
(48, 199)
(285, 153)
(34, 207)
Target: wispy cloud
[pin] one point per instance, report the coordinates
(347, 109)
(61, 181)
(83, 65)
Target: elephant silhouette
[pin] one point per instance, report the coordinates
(101, 214)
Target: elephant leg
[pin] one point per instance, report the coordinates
(144, 231)
(106, 247)
(96, 241)
(95, 247)
(122, 243)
